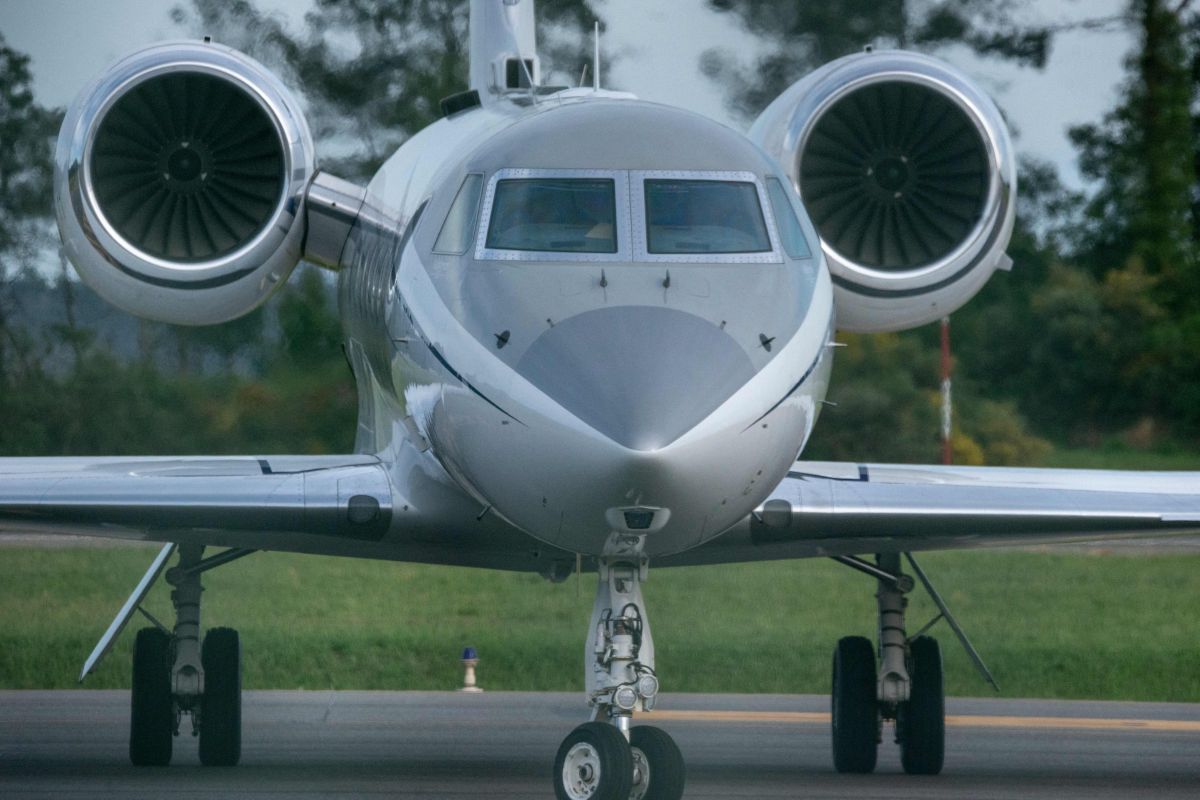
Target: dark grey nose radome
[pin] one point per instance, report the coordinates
(643, 376)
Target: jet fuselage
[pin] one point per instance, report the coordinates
(602, 316)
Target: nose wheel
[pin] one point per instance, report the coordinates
(594, 763)
(658, 771)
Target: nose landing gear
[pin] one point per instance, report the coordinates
(608, 758)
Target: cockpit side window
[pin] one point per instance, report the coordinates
(791, 235)
(704, 216)
(459, 228)
(554, 215)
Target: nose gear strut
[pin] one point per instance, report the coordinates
(622, 675)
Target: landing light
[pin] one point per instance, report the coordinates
(639, 519)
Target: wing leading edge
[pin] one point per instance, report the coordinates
(304, 503)
(830, 509)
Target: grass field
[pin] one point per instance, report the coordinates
(1049, 624)
(1114, 455)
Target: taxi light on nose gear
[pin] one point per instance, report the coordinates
(625, 698)
(639, 519)
(647, 686)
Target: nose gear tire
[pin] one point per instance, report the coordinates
(593, 763)
(664, 774)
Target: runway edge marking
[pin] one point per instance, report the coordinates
(952, 720)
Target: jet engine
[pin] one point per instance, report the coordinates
(907, 171)
(179, 180)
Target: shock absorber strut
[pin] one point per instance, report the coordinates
(187, 681)
(893, 641)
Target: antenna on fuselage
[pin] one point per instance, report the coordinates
(596, 57)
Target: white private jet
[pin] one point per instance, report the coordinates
(586, 330)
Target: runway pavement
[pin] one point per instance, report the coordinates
(500, 745)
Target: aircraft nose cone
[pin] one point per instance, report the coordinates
(643, 376)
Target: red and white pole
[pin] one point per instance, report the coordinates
(947, 414)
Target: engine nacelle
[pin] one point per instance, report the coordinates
(907, 170)
(179, 181)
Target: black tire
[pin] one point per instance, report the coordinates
(664, 771)
(921, 722)
(221, 705)
(855, 710)
(152, 717)
(595, 763)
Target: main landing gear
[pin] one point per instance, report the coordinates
(174, 674)
(901, 680)
(609, 758)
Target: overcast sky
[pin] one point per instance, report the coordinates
(658, 43)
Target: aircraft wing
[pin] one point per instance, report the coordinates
(832, 509)
(340, 505)
(305, 503)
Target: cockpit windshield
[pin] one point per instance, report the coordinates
(676, 216)
(555, 215)
(704, 216)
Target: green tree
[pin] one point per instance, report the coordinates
(1142, 156)
(1142, 223)
(308, 321)
(884, 388)
(26, 166)
(26, 172)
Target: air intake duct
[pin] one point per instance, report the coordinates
(179, 179)
(906, 168)
(896, 176)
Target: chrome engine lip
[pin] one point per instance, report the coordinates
(813, 96)
(79, 211)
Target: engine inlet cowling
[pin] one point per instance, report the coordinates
(907, 171)
(180, 175)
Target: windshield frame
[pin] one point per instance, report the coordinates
(641, 249)
(620, 180)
